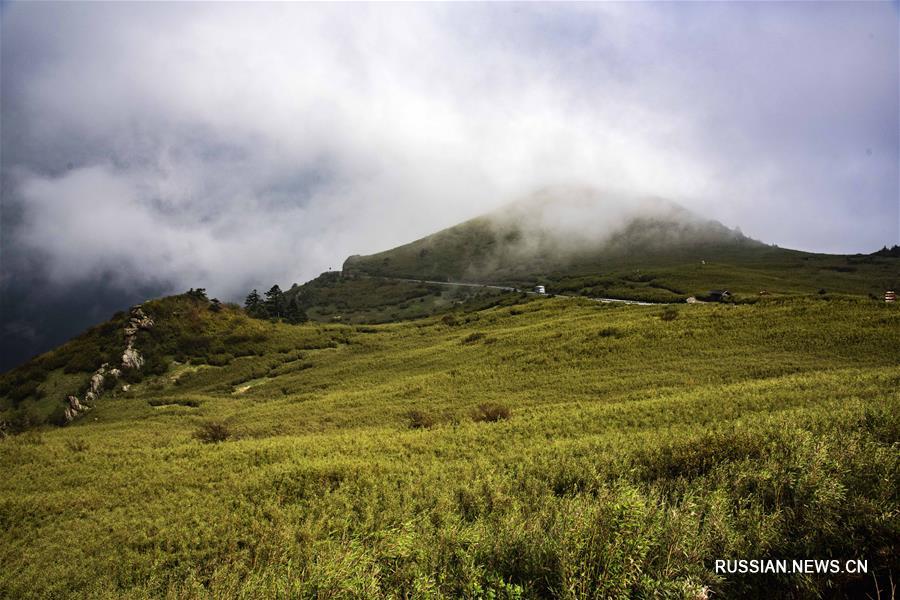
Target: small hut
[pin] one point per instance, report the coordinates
(890, 296)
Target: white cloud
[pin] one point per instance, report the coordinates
(229, 145)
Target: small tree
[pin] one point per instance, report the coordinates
(199, 294)
(253, 304)
(274, 302)
(293, 313)
(212, 432)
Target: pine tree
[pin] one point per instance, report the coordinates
(274, 302)
(294, 313)
(253, 304)
(199, 294)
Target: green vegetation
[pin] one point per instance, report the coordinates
(276, 306)
(188, 328)
(661, 259)
(548, 448)
(892, 251)
(334, 297)
(33, 394)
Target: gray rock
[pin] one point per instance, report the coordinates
(74, 408)
(97, 381)
(132, 359)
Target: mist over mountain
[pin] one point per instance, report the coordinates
(552, 230)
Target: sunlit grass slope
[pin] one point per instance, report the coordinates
(636, 451)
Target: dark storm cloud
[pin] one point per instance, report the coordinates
(234, 145)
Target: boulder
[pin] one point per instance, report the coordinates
(132, 359)
(97, 381)
(74, 408)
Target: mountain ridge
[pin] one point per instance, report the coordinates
(611, 243)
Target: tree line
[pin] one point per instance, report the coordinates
(275, 305)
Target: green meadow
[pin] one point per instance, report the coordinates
(542, 448)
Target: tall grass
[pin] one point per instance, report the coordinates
(634, 454)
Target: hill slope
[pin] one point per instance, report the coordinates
(335, 297)
(581, 241)
(549, 449)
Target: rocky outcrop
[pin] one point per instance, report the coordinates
(131, 359)
(74, 408)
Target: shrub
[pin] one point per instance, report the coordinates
(109, 382)
(220, 360)
(83, 362)
(609, 332)
(473, 337)
(212, 432)
(490, 413)
(669, 314)
(419, 419)
(57, 416)
(23, 391)
(191, 402)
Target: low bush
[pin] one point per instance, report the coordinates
(670, 313)
(164, 401)
(220, 360)
(473, 337)
(419, 419)
(490, 413)
(212, 432)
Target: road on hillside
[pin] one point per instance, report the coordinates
(514, 289)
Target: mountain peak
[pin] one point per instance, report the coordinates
(553, 229)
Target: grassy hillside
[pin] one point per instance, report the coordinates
(187, 328)
(662, 253)
(556, 448)
(334, 297)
